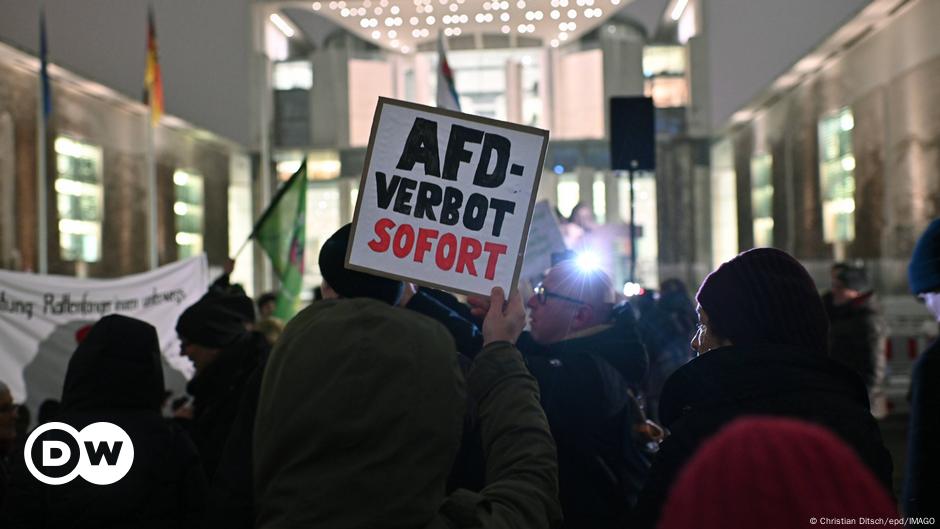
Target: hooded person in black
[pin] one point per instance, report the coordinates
(762, 345)
(857, 330)
(116, 376)
(231, 497)
(225, 354)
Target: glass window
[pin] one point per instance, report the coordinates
(532, 108)
(837, 176)
(323, 219)
(762, 199)
(79, 199)
(599, 192)
(660, 60)
(188, 211)
(724, 222)
(667, 92)
(480, 77)
(647, 248)
(240, 220)
(286, 163)
(569, 193)
(293, 75)
(368, 80)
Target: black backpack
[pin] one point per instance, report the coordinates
(619, 468)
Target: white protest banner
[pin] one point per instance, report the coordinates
(544, 239)
(41, 314)
(445, 198)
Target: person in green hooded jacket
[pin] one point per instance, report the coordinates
(360, 418)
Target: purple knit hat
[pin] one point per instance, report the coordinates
(765, 296)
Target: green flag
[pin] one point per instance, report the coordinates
(280, 231)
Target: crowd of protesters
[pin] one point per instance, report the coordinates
(385, 404)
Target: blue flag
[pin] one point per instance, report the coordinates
(44, 67)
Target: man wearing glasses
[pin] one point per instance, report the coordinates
(587, 357)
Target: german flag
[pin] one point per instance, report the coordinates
(153, 80)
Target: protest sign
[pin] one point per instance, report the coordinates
(446, 198)
(40, 316)
(544, 239)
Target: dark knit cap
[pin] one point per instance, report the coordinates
(765, 296)
(773, 473)
(924, 271)
(238, 303)
(211, 323)
(351, 283)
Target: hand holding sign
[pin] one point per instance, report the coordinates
(504, 319)
(459, 225)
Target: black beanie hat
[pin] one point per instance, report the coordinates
(211, 323)
(765, 296)
(351, 283)
(238, 303)
(924, 271)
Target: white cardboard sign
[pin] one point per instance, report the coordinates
(445, 198)
(544, 239)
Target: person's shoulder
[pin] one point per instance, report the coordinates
(928, 363)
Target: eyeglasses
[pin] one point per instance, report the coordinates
(541, 295)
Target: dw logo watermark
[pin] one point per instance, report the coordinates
(101, 453)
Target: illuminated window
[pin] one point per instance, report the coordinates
(323, 207)
(724, 222)
(324, 165)
(667, 92)
(188, 210)
(569, 193)
(79, 199)
(480, 77)
(599, 191)
(762, 200)
(664, 68)
(647, 247)
(293, 75)
(663, 60)
(837, 176)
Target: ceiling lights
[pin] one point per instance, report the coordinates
(404, 24)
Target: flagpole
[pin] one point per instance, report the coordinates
(151, 191)
(42, 171)
(42, 192)
(242, 247)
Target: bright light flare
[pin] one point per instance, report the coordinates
(588, 261)
(633, 289)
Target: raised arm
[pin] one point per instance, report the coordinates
(521, 464)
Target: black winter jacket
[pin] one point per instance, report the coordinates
(856, 334)
(921, 483)
(217, 394)
(583, 385)
(730, 382)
